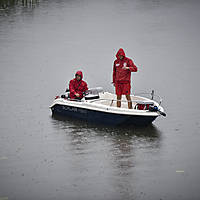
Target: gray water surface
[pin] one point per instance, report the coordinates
(43, 45)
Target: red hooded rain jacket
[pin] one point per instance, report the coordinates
(121, 75)
(76, 86)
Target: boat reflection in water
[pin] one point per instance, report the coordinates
(150, 131)
(111, 157)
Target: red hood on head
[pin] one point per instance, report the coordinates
(79, 73)
(120, 52)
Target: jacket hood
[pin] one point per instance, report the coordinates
(120, 52)
(79, 73)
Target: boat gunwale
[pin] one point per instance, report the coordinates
(103, 108)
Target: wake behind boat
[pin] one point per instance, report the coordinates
(100, 107)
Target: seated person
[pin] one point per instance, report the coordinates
(77, 86)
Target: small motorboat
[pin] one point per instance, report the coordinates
(100, 107)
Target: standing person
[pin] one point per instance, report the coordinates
(77, 86)
(122, 69)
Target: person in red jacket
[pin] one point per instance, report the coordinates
(77, 86)
(122, 69)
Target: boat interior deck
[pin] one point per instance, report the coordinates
(111, 100)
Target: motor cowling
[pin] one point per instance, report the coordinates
(155, 109)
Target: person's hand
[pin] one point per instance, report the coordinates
(77, 94)
(125, 67)
(113, 84)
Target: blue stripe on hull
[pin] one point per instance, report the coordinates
(100, 117)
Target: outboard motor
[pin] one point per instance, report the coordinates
(155, 109)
